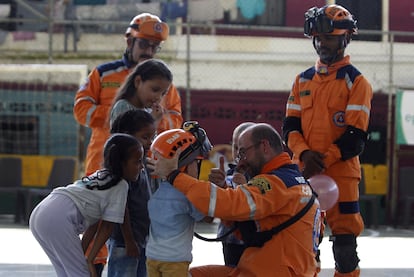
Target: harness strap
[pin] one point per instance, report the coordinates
(294, 218)
(220, 238)
(265, 235)
(253, 238)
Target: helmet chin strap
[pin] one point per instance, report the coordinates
(128, 53)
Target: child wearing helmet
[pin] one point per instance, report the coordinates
(172, 215)
(327, 116)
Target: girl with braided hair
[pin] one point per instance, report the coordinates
(69, 211)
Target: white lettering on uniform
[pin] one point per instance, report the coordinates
(300, 180)
(172, 139)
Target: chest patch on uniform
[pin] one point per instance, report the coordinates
(339, 119)
(304, 93)
(110, 85)
(260, 183)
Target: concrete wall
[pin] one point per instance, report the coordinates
(242, 63)
(231, 63)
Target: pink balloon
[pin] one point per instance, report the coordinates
(326, 189)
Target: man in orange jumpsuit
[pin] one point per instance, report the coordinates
(93, 100)
(277, 193)
(327, 116)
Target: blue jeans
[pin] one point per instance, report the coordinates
(120, 265)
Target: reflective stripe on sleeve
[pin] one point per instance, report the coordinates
(89, 115)
(86, 98)
(295, 107)
(167, 115)
(172, 112)
(358, 108)
(213, 200)
(250, 201)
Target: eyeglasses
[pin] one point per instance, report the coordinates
(241, 154)
(145, 44)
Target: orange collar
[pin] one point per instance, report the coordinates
(322, 68)
(276, 162)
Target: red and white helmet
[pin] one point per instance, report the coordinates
(147, 26)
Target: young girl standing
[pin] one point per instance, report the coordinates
(67, 212)
(143, 89)
(128, 240)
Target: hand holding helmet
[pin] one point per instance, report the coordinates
(161, 166)
(176, 148)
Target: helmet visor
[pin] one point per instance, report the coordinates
(199, 149)
(316, 22)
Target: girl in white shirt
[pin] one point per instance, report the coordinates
(67, 212)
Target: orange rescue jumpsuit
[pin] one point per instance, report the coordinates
(270, 198)
(327, 100)
(93, 102)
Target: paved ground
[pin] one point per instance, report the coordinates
(385, 252)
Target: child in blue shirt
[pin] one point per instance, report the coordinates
(172, 215)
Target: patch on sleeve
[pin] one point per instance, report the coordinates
(261, 183)
(304, 93)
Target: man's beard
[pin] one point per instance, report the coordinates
(327, 57)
